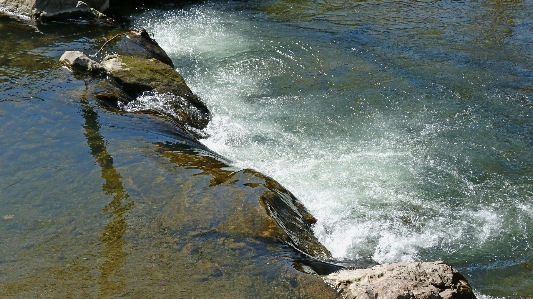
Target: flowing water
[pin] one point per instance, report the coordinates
(405, 127)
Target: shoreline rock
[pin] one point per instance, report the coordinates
(43, 9)
(402, 280)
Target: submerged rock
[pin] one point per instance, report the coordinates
(402, 280)
(246, 202)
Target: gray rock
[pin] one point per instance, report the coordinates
(402, 280)
(55, 8)
(78, 61)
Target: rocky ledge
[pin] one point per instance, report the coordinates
(136, 75)
(45, 9)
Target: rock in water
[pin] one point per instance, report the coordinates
(55, 8)
(136, 43)
(402, 280)
(137, 76)
(80, 62)
(140, 77)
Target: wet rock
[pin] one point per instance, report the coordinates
(155, 81)
(141, 78)
(56, 8)
(402, 280)
(109, 94)
(136, 43)
(290, 214)
(80, 62)
(246, 202)
(136, 75)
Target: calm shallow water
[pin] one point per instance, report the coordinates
(405, 127)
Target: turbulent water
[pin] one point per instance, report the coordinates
(405, 127)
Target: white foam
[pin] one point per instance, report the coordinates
(362, 175)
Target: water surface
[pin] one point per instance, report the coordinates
(97, 203)
(405, 127)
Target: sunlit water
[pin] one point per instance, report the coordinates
(405, 127)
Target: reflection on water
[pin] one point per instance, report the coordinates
(112, 238)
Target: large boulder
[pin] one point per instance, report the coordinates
(402, 280)
(55, 8)
(140, 77)
(137, 84)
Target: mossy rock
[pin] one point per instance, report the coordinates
(134, 43)
(138, 75)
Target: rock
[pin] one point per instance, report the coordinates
(137, 74)
(80, 62)
(56, 8)
(137, 84)
(246, 203)
(152, 80)
(136, 43)
(141, 78)
(290, 214)
(402, 280)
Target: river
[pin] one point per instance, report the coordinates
(405, 127)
